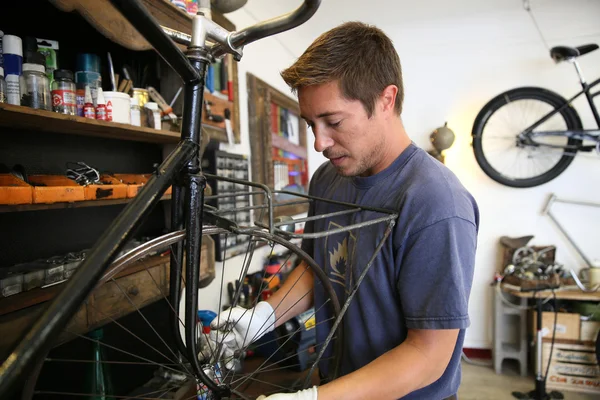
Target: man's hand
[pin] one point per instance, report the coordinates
(238, 327)
(308, 394)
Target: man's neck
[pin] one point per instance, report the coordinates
(396, 142)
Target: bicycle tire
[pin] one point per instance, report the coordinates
(568, 114)
(138, 255)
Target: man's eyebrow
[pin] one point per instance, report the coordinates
(324, 114)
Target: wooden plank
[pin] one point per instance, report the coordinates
(77, 204)
(563, 294)
(12, 116)
(105, 18)
(36, 296)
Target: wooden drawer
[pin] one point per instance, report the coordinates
(124, 295)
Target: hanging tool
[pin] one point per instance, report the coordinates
(166, 108)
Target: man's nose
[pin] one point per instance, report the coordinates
(322, 140)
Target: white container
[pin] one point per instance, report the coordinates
(155, 113)
(136, 114)
(121, 106)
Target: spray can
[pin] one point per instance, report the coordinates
(1, 58)
(12, 50)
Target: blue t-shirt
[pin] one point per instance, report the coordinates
(422, 277)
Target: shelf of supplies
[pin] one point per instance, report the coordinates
(282, 143)
(20, 117)
(40, 295)
(561, 293)
(75, 204)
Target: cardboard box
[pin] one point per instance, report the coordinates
(573, 367)
(589, 331)
(568, 325)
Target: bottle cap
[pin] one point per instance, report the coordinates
(88, 95)
(88, 62)
(2, 72)
(100, 97)
(12, 44)
(34, 67)
(36, 58)
(63, 74)
(206, 317)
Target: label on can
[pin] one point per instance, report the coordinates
(89, 112)
(63, 98)
(13, 90)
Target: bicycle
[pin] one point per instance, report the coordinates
(528, 136)
(191, 218)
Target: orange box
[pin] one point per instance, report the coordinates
(55, 189)
(134, 182)
(111, 188)
(14, 190)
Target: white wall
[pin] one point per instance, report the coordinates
(455, 57)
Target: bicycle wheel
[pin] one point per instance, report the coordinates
(512, 161)
(139, 349)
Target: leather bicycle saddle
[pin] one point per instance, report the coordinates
(562, 53)
(515, 243)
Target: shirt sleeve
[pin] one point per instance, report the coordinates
(436, 274)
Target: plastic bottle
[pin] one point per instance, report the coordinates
(101, 106)
(136, 115)
(12, 50)
(63, 92)
(35, 87)
(2, 86)
(88, 105)
(87, 74)
(98, 380)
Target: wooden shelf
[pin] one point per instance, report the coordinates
(562, 294)
(76, 204)
(40, 295)
(21, 117)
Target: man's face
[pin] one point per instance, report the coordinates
(353, 142)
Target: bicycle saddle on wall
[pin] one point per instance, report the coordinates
(562, 53)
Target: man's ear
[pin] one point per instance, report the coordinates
(388, 98)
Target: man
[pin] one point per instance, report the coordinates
(405, 328)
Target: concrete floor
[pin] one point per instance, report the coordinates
(482, 383)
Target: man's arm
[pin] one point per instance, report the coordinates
(295, 296)
(418, 362)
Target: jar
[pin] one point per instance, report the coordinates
(136, 115)
(2, 86)
(142, 95)
(155, 123)
(63, 93)
(87, 75)
(35, 90)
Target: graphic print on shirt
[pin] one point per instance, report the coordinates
(339, 258)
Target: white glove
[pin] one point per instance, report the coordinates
(251, 325)
(308, 394)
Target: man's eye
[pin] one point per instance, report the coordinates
(335, 124)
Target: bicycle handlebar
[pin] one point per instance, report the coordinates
(276, 25)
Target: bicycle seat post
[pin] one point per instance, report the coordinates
(579, 73)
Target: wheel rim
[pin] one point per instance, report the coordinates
(163, 356)
(516, 159)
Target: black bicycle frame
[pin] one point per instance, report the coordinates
(591, 134)
(182, 170)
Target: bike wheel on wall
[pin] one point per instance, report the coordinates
(136, 356)
(512, 161)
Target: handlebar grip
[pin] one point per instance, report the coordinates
(276, 25)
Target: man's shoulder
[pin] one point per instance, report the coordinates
(431, 192)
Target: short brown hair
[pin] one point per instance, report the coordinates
(360, 56)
